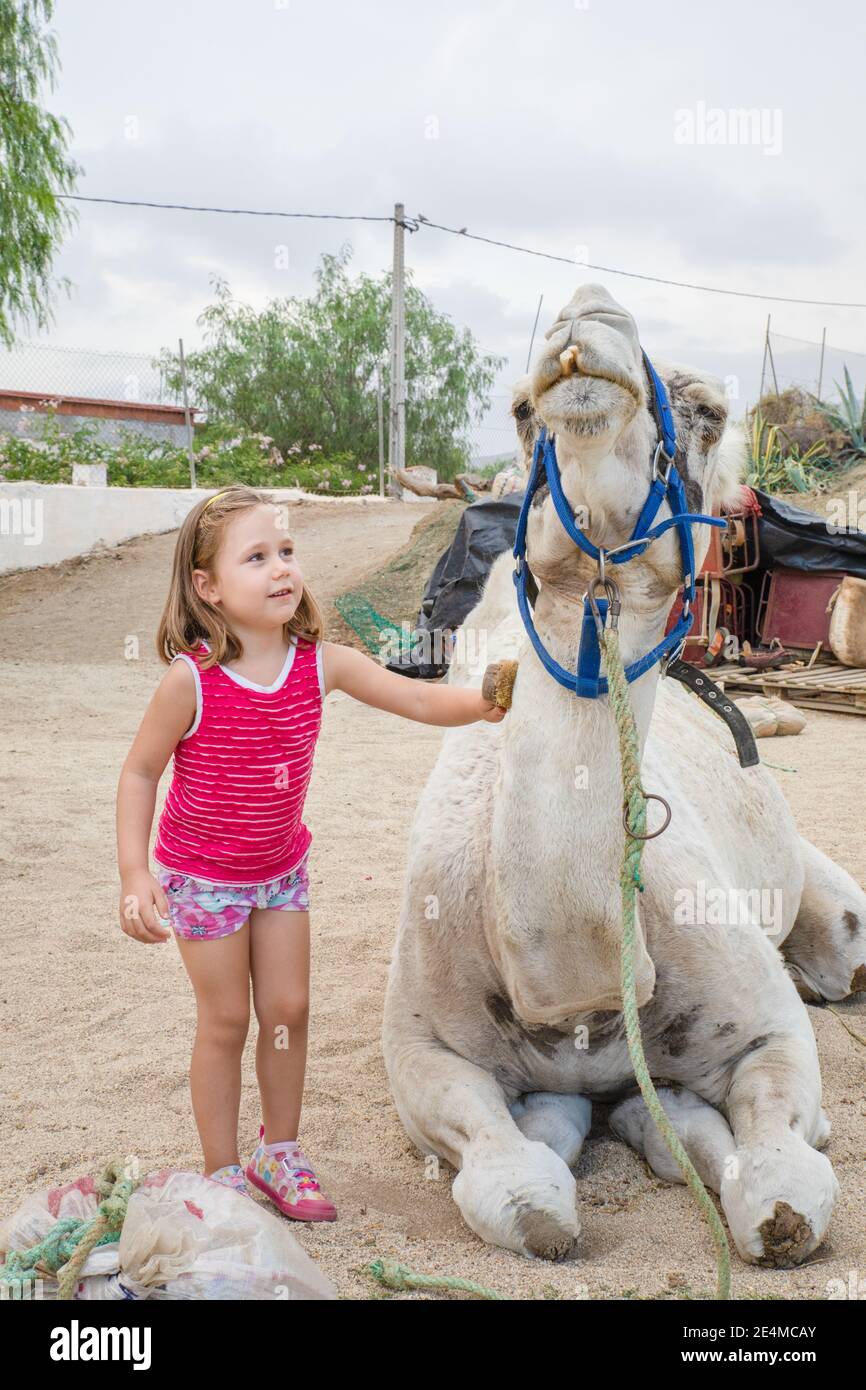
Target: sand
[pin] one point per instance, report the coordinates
(98, 1029)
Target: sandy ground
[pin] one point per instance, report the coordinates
(98, 1029)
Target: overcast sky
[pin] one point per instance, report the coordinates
(579, 129)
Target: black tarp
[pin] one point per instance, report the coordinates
(800, 540)
(484, 530)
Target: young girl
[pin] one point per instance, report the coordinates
(240, 709)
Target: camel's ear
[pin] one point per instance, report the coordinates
(708, 404)
(717, 442)
(524, 418)
(521, 402)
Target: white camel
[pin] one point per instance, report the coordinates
(502, 1015)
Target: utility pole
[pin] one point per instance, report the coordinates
(821, 363)
(764, 360)
(534, 326)
(189, 448)
(397, 413)
(381, 423)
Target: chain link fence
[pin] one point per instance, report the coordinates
(86, 379)
(493, 443)
(107, 376)
(814, 367)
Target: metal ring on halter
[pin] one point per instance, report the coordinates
(630, 545)
(648, 796)
(673, 655)
(611, 593)
(609, 585)
(657, 473)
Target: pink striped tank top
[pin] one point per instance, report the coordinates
(233, 811)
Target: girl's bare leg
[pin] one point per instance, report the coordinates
(220, 975)
(280, 967)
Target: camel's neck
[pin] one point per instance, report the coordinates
(560, 813)
(558, 621)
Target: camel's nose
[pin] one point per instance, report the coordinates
(590, 300)
(593, 339)
(592, 304)
(589, 304)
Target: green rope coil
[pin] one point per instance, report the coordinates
(635, 800)
(392, 1275)
(70, 1241)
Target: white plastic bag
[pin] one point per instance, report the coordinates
(184, 1237)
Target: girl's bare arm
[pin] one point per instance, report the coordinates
(365, 680)
(168, 716)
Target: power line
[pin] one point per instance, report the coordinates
(413, 225)
(634, 275)
(22, 346)
(236, 212)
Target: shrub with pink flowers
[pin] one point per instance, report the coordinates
(221, 457)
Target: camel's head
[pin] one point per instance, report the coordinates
(589, 387)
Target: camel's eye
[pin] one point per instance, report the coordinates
(522, 411)
(711, 413)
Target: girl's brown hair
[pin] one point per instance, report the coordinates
(187, 618)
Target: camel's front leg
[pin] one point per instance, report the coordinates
(826, 947)
(511, 1190)
(777, 1190)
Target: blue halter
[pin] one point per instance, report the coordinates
(666, 486)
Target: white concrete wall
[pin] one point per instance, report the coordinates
(43, 523)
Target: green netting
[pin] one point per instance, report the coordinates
(396, 588)
(370, 625)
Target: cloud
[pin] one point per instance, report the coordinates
(551, 127)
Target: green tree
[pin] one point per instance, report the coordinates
(34, 168)
(303, 370)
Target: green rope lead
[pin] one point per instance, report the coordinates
(393, 1275)
(630, 880)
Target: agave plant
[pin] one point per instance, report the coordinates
(777, 469)
(849, 417)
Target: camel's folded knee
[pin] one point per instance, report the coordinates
(520, 1195)
(778, 1197)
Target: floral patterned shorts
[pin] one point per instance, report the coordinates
(204, 911)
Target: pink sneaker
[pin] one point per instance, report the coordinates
(287, 1178)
